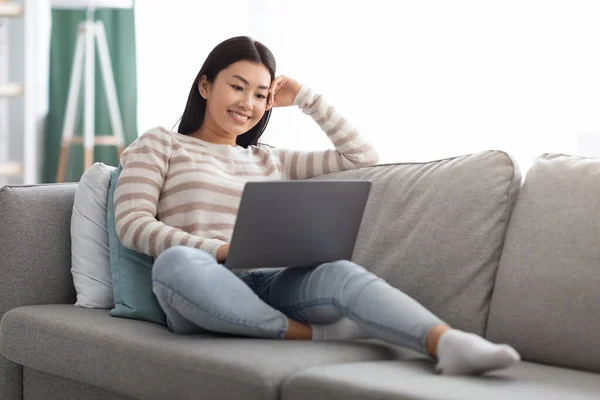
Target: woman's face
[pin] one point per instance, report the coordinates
(237, 98)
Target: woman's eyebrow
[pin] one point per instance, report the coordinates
(247, 83)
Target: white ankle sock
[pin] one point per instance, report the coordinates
(462, 353)
(344, 329)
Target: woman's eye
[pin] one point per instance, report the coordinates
(260, 96)
(236, 87)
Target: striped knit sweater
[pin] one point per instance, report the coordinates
(176, 189)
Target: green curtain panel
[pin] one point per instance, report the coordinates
(120, 33)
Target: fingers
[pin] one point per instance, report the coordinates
(273, 90)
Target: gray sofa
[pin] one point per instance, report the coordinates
(517, 262)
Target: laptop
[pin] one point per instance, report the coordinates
(300, 223)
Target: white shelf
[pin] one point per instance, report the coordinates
(11, 90)
(33, 31)
(8, 9)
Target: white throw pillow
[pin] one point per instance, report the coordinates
(90, 262)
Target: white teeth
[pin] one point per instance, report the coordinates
(239, 115)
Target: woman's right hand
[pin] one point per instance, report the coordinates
(222, 253)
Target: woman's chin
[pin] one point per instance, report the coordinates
(241, 130)
(233, 131)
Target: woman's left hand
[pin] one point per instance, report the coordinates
(282, 92)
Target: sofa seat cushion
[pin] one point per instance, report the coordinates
(415, 380)
(145, 360)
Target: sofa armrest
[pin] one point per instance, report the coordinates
(35, 245)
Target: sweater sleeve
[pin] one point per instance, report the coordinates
(144, 166)
(351, 149)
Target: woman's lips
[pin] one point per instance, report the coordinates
(237, 117)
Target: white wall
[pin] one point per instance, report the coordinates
(422, 79)
(173, 40)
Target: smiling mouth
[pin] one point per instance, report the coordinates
(241, 118)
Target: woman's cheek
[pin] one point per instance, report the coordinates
(260, 114)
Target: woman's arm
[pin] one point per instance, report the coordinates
(351, 149)
(144, 166)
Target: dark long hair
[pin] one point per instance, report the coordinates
(226, 53)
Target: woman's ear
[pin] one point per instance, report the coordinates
(203, 86)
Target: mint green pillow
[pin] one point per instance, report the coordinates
(131, 272)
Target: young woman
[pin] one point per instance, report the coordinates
(177, 200)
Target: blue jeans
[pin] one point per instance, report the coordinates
(198, 294)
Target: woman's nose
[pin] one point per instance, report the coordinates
(246, 102)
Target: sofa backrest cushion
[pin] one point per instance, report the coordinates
(435, 230)
(546, 302)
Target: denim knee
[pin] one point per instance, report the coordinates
(343, 268)
(176, 260)
(346, 279)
